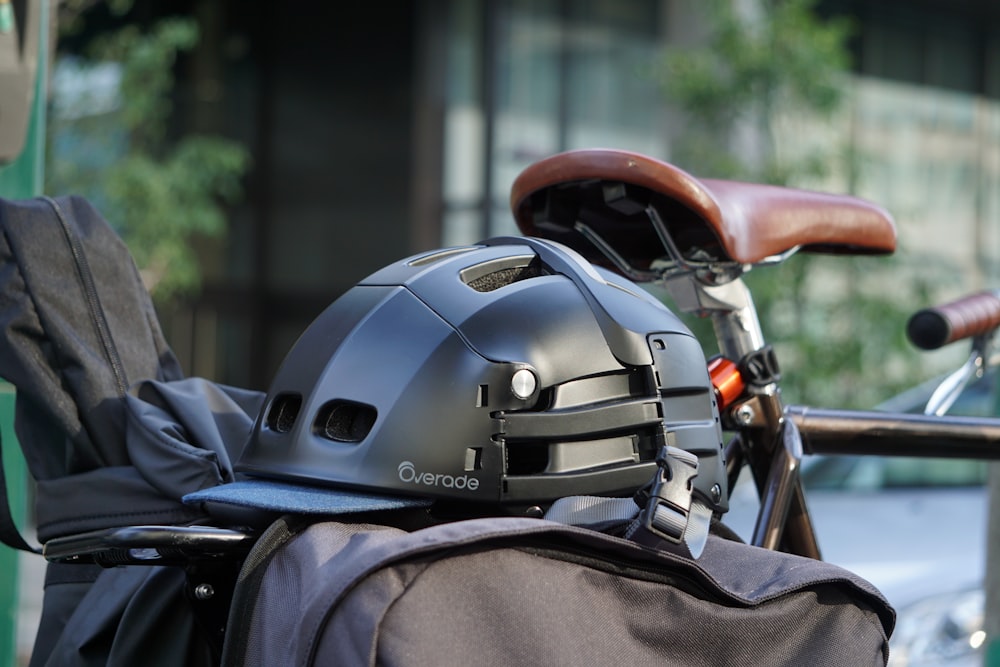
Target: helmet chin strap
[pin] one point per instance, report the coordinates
(672, 517)
(692, 539)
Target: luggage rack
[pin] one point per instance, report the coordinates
(211, 558)
(150, 545)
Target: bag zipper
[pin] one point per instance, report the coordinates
(97, 315)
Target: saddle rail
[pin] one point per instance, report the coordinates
(648, 218)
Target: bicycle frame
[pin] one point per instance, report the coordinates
(771, 438)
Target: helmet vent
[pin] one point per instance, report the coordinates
(527, 458)
(345, 421)
(433, 257)
(504, 277)
(498, 273)
(284, 410)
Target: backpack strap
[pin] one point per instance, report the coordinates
(9, 533)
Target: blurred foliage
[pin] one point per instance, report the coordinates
(837, 329)
(110, 143)
(755, 68)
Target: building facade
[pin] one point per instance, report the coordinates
(383, 129)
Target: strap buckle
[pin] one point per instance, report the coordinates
(669, 506)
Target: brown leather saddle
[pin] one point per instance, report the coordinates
(639, 214)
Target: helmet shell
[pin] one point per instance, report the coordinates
(508, 372)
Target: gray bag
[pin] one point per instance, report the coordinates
(516, 591)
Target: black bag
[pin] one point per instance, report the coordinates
(95, 415)
(79, 331)
(514, 591)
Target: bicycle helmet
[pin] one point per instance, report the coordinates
(512, 372)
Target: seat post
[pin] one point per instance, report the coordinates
(731, 307)
(783, 521)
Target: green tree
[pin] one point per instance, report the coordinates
(111, 145)
(750, 98)
(755, 70)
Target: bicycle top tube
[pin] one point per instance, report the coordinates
(632, 208)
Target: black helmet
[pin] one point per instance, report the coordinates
(509, 372)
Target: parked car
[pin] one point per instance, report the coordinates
(916, 528)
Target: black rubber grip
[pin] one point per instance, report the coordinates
(973, 315)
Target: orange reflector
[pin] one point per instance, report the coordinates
(726, 379)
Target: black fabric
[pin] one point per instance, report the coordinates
(183, 436)
(180, 436)
(533, 592)
(78, 329)
(10, 534)
(112, 432)
(248, 585)
(79, 334)
(129, 616)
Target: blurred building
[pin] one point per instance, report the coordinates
(385, 128)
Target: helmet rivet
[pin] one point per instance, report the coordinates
(716, 493)
(523, 383)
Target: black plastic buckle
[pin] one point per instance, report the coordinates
(669, 504)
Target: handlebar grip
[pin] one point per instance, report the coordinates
(973, 315)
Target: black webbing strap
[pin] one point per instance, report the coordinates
(9, 533)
